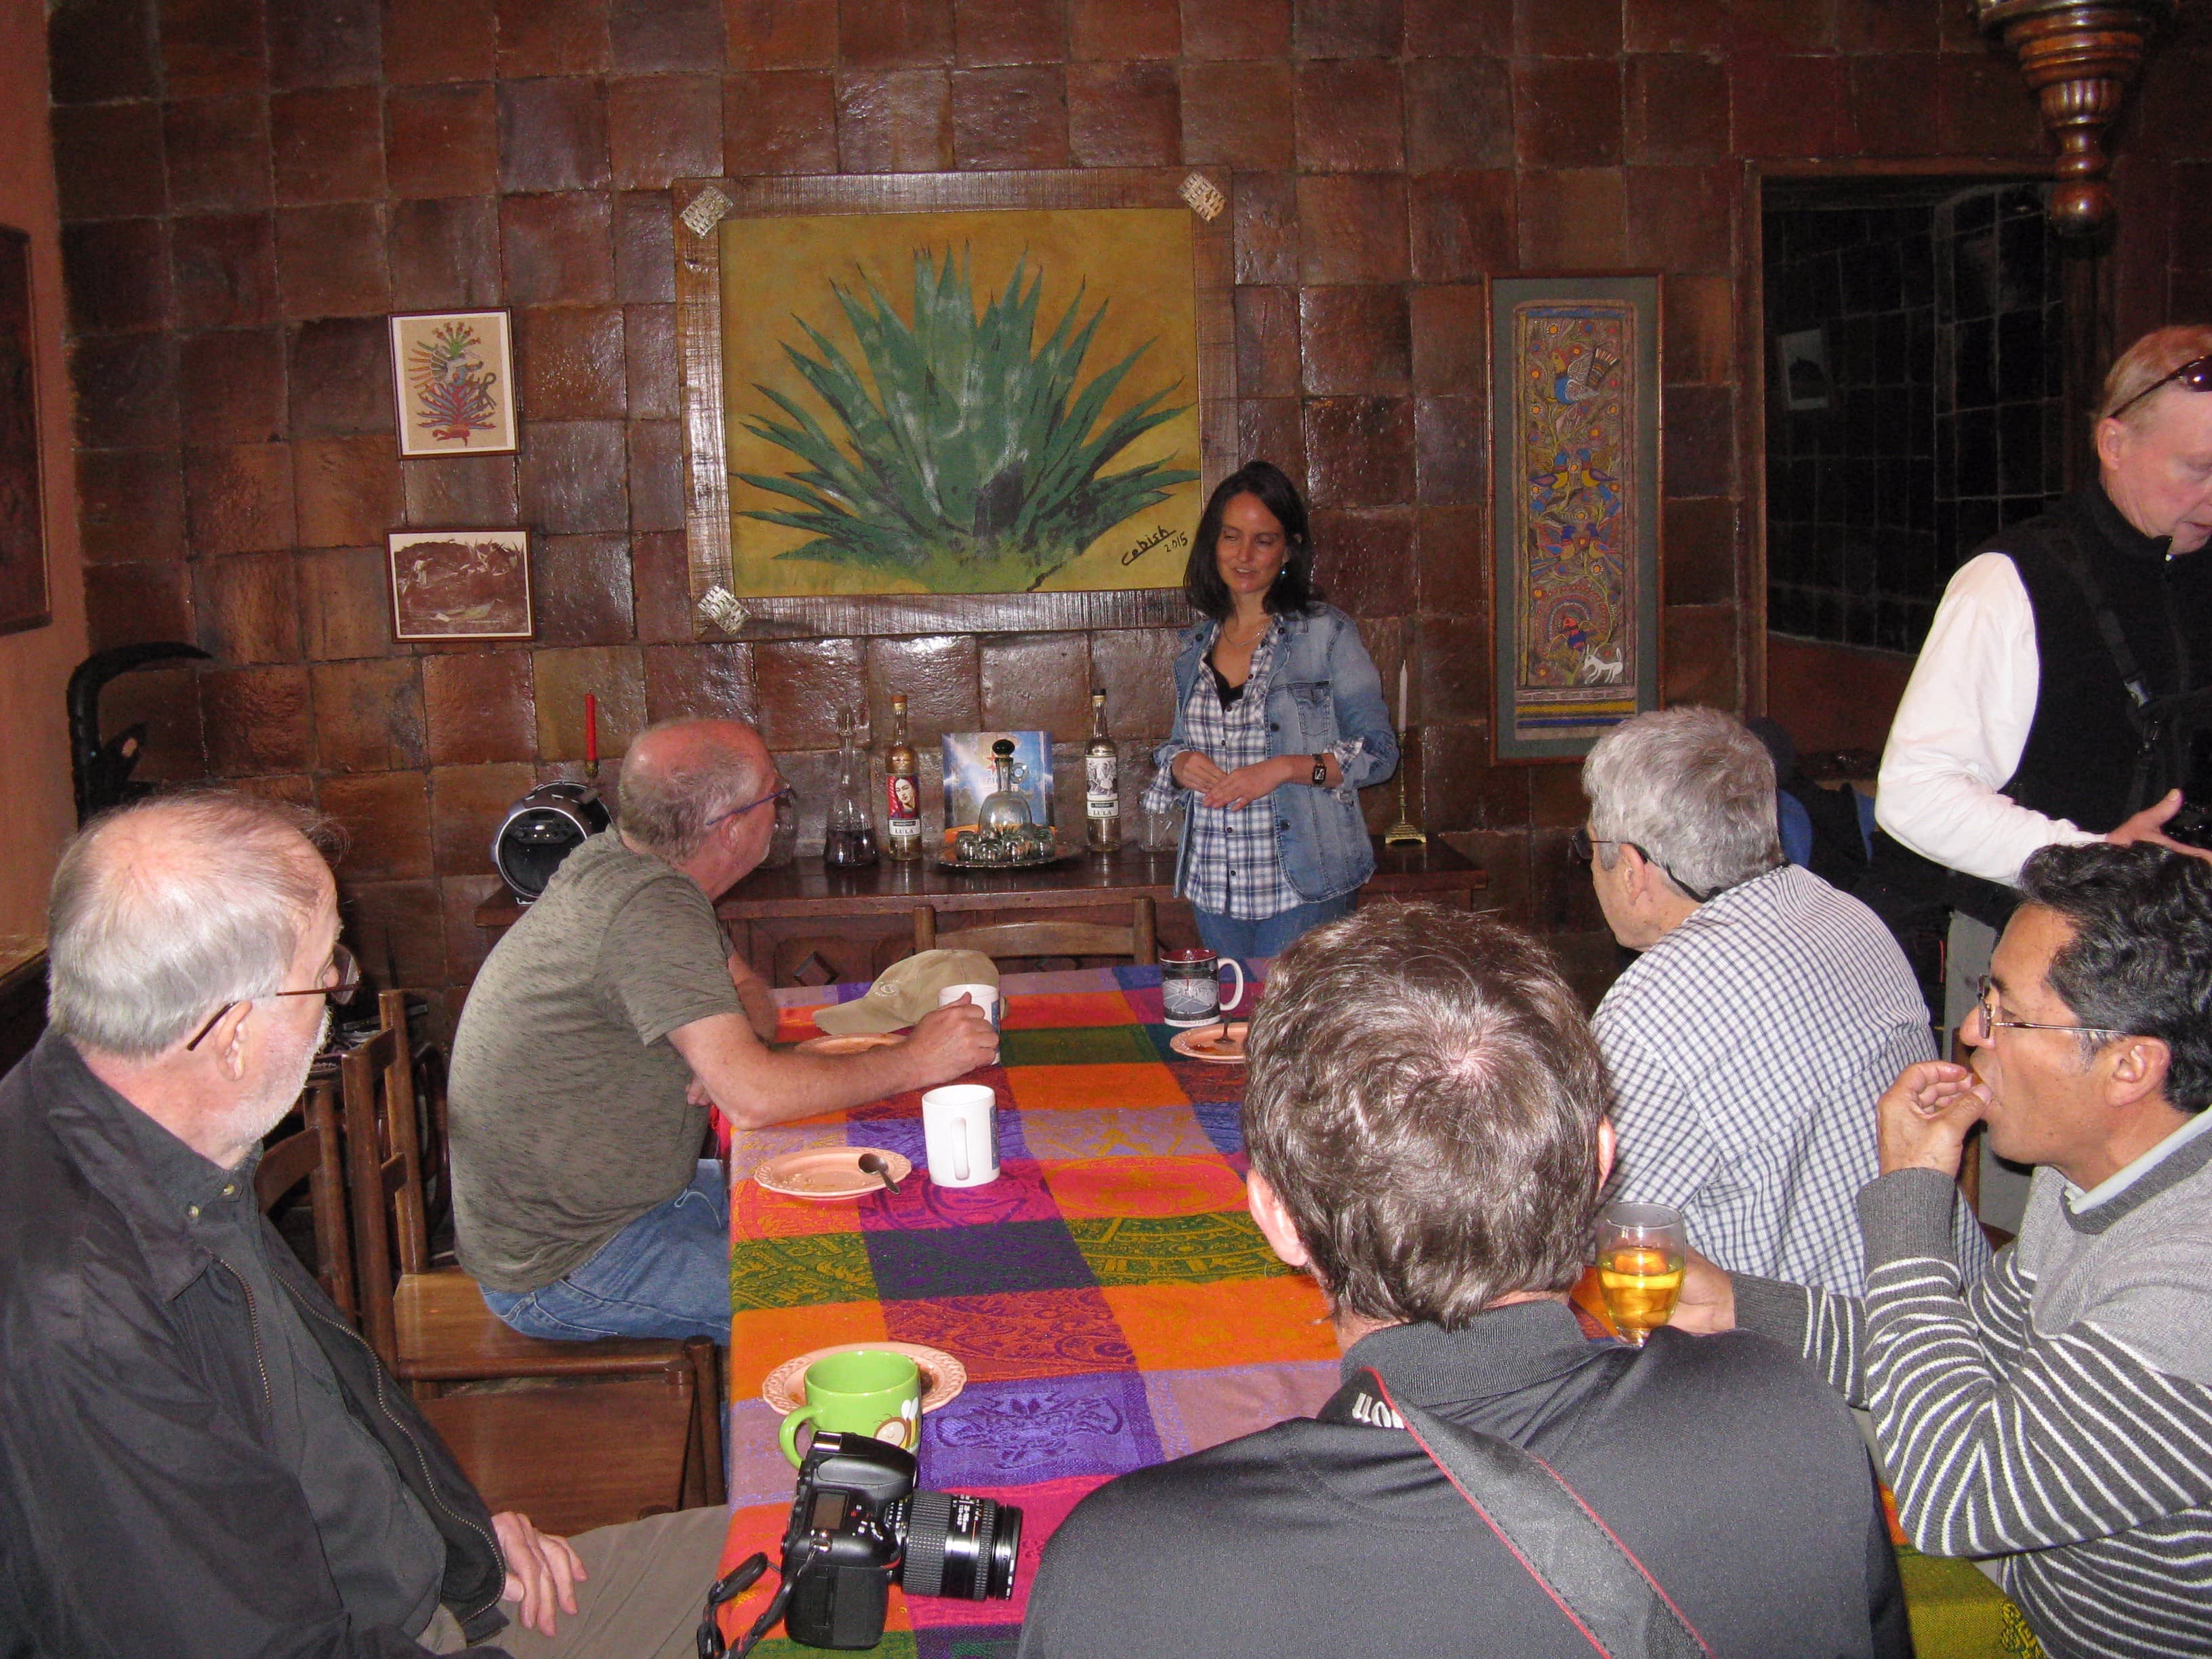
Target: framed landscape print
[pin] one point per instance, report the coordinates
(1575, 499)
(453, 376)
(460, 584)
(22, 514)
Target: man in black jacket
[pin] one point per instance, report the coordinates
(1424, 1118)
(198, 1456)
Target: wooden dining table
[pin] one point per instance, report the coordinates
(1110, 1301)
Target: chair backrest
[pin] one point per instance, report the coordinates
(313, 1155)
(385, 1171)
(999, 940)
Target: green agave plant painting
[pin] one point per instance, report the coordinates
(958, 454)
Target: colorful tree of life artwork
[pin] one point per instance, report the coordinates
(1576, 638)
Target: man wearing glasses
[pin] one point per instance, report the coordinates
(1745, 1048)
(2064, 694)
(602, 1028)
(2054, 1418)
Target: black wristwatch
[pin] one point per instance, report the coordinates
(1321, 772)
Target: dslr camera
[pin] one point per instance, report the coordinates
(858, 1524)
(2191, 825)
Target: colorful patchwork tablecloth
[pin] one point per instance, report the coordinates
(1111, 1300)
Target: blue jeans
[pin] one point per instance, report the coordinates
(1226, 936)
(666, 1274)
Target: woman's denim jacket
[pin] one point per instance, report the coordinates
(1322, 689)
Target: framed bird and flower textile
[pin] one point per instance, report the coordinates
(1575, 584)
(946, 400)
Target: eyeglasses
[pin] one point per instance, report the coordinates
(781, 798)
(1986, 1004)
(2196, 374)
(342, 963)
(1582, 846)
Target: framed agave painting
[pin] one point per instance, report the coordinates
(452, 375)
(950, 400)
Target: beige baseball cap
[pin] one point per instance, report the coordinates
(906, 990)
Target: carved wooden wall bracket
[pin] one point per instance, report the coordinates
(2078, 57)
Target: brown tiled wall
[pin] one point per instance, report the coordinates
(248, 185)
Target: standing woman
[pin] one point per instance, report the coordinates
(1279, 722)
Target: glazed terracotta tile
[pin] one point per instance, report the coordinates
(1124, 115)
(248, 607)
(1459, 113)
(1700, 445)
(101, 50)
(1453, 544)
(1360, 451)
(107, 161)
(649, 362)
(223, 266)
(480, 706)
(1350, 117)
(466, 943)
(1450, 455)
(895, 34)
(699, 682)
(1542, 29)
(572, 478)
(1265, 214)
(660, 587)
(665, 37)
(117, 274)
(645, 248)
(1352, 228)
(1451, 684)
(257, 720)
(1681, 220)
(1348, 28)
(1236, 29)
(216, 151)
(800, 685)
(1700, 643)
(461, 492)
(663, 127)
(330, 261)
(368, 714)
(1124, 28)
(1450, 326)
(386, 818)
(1790, 106)
(1699, 340)
(1267, 341)
(552, 133)
(1460, 789)
(1037, 682)
(1009, 118)
(780, 121)
(211, 46)
(581, 590)
(895, 121)
(441, 141)
(130, 505)
(1458, 29)
(940, 675)
(467, 805)
(238, 498)
(324, 43)
(1272, 429)
(126, 390)
(1364, 559)
(445, 254)
(1574, 220)
(345, 603)
(558, 249)
(988, 32)
(1677, 108)
(397, 930)
(1700, 539)
(552, 37)
(230, 386)
(1238, 115)
(327, 144)
(656, 476)
(346, 489)
(1137, 667)
(340, 375)
(776, 34)
(570, 362)
(1567, 112)
(1354, 339)
(614, 674)
(129, 603)
(427, 41)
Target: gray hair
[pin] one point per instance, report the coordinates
(1425, 1098)
(1693, 789)
(162, 912)
(2143, 365)
(668, 801)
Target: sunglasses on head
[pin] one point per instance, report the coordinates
(2196, 374)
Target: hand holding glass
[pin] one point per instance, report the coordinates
(1641, 1248)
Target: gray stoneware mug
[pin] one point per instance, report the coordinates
(1190, 985)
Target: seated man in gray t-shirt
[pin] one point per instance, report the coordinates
(600, 1030)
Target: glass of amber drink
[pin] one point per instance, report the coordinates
(1640, 1252)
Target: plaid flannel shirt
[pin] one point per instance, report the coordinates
(1234, 870)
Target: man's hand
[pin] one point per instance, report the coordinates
(1707, 1304)
(1920, 1123)
(1256, 781)
(951, 1042)
(542, 1571)
(2147, 824)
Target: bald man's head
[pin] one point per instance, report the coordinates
(680, 776)
(162, 911)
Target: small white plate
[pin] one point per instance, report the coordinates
(1223, 1045)
(828, 1172)
(942, 1376)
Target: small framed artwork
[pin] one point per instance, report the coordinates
(460, 584)
(22, 516)
(1804, 355)
(452, 375)
(1574, 581)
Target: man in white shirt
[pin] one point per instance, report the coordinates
(2024, 723)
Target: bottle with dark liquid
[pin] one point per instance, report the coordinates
(1101, 783)
(902, 790)
(849, 842)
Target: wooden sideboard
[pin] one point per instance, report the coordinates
(807, 925)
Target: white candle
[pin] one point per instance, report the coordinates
(1401, 694)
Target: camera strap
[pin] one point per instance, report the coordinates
(1592, 1577)
(727, 1589)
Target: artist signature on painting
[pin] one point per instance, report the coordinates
(1176, 540)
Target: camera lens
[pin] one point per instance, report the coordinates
(959, 1544)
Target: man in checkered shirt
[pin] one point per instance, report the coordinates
(1749, 1043)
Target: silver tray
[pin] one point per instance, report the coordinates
(1059, 857)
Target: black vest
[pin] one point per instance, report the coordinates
(2081, 760)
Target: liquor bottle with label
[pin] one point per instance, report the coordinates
(1101, 783)
(902, 790)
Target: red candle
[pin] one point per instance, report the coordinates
(591, 729)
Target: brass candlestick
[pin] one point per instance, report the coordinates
(1405, 832)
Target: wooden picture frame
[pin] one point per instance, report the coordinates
(699, 207)
(453, 383)
(24, 600)
(459, 585)
(1574, 579)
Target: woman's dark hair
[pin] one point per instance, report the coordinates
(2140, 961)
(1294, 590)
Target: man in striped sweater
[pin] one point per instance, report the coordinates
(2057, 1416)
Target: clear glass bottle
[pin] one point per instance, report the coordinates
(1101, 783)
(902, 790)
(1006, 811)
(849, 840)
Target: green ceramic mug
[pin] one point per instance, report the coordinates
(868, 1391)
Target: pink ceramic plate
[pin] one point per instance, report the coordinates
(942, 1376)
(828, 1172)
(1223, 1045)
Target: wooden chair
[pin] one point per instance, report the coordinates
(612, 1430)
(1000, 940)
(313, 1155)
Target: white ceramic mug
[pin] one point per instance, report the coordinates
(1190, 985)
(960, 1135)
(985, 997)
